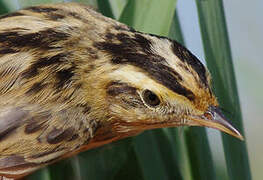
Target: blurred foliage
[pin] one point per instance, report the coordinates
(3, 8)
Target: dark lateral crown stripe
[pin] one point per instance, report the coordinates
(55, 13)
(11, 15)
(136, 51)
(42, 39)
(40, 9)
(186, 56)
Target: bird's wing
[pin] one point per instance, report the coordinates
(32, 136)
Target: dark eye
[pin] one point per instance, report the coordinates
(150, 98)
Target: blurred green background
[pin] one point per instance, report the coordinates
(179, 153)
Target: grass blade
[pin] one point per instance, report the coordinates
(145, 15)
(105, 8)
(199, 153)
(175, 32)
(26, 3)
(42, 174)
(112, 161)
(117, 7)
(219, 61)
(170, 152)
(156, 156)
(3, 8)
(65, 170)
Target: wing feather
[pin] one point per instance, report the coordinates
(31, 136)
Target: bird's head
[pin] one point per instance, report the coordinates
(155, 82)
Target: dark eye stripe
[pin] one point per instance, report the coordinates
(116, 88)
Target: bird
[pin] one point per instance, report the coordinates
(72, 79)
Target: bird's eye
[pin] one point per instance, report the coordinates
(150, 98)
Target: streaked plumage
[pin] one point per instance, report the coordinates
(72, 79)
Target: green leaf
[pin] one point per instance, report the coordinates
(105, 8)
(92, 3)
(42, 174)
(219, 61)
(3, 8)
(149, 16)
(26, 3)
(170, 151)
(112, 161)
(156, 156)
(117, 7)
(175, 32)
(199, 153)
(67, 169)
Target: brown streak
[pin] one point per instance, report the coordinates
(58, 135)
(36, 123)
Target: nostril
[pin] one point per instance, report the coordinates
(208, 116)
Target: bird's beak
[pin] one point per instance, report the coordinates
(214, 118)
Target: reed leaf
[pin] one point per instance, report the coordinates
(105, 8)
(3, 8)
(146, 15)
